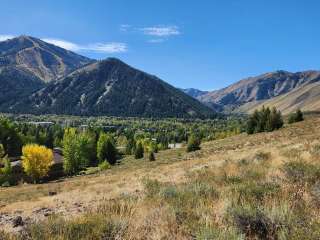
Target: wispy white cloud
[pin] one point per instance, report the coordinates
(112, 47)
(156, 34)
(63, 43)
(125, 27)
(5, 37)
(161, 31)
(156, 40)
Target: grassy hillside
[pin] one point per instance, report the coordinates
(262, 186)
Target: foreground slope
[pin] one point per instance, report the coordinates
(263, 186)
(111, 87)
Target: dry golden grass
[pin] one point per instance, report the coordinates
(209, 194)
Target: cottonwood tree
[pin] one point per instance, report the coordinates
(36, 161)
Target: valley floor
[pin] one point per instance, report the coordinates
(240, 187)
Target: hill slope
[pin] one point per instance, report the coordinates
(111, 87)
(16, 84)
(260, 88)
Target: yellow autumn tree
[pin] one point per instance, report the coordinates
(36, 160)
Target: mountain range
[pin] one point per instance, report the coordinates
(285, 90)
(38, 77)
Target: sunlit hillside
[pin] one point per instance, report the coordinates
(262, 186)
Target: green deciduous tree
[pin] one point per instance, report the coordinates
(78, 150)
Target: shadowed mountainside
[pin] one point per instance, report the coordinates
(111, 87)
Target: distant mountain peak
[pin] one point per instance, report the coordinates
(193, 92)
(46, 61)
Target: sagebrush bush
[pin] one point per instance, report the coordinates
(152, 187)
(262, 156)
(251, 191)
(301, 172)
(255, 223)
(208, 233)
(93, 226)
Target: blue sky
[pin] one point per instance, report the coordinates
(205, 44)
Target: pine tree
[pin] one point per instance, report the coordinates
(264, 120)
(193, 143)
(139, 151)
(251, 125)
(49, 140)
(106, 151)
(151, 156)
(295, 117)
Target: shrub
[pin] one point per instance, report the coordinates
(152, 187)
(315, 151)
(93, 226)
(254, 223)
(36, 160)
(295, 117)
(256, 192)
(106, 151)
(104, 166)
(302, 172)
(208, 233)
(262, 156)
(139, 151)
(169, 192)
(193, 144)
